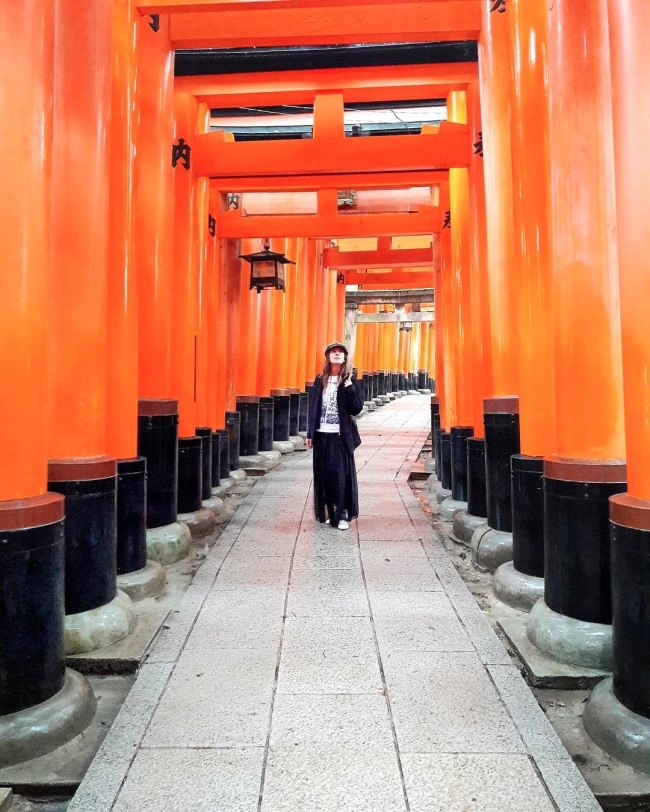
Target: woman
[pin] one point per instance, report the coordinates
(333, 435)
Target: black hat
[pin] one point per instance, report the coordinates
(330, 347)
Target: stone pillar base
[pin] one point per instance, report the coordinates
(403, 393)
(424, 391)
(430, 465)
(517, 589)
(283, 446)
(569, 640)
(370, 405)
(169, 543)
(200, 522)
(99, 627)
(144, 583)
(215, 504)
(490, 548)
(413, 392)
(465, 524)
(384, 399)
(239, 475)
(226, 484)
(298, 441)
(439, 493)
(449, 508)
(38, 730)
(270, 458)
(251, 461)
(616, 729)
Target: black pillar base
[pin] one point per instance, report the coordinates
(233, 424)
(158, 443)
(90, 490)
(476, 489)
(266, 418)
(248, 407)
(444, 472)
(32, 592)
(501, 419)
(215, 479)
(528, 514)
(190, 463)
(131, 515)
(459, 437)
(205, 433)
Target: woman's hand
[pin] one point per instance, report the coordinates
(308, 441)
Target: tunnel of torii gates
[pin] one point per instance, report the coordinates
(133, 347)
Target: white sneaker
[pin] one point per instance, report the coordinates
(343, 525)
(327, 521)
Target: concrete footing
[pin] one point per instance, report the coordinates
(32, 732)
(226, 484)
(465, 524)
(5, 800)
(270, 458)
(215, 504)
(616, 729)
(144, 583)
(570, 640)
(252, 461)
(424, 391)
(430, 465)
(299, 443)
(238, 475)
(438, 493)
(490, 548)
(449, 508)
(169, 543)
(99, 627)
(200, 522)
(517, 589)
(283, 446)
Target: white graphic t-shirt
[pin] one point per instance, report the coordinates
(329, 419)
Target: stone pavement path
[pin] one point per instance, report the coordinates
(316, 670)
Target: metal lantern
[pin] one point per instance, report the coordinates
(267, 268)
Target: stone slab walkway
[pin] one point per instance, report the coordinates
(309, 669)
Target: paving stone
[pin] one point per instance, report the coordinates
(398, 574)
(462, 782)
(411, 548)
(200, 780)
(417, 621)
(219, 698)
(385, 528)
(341, 779)
(260, 572)
(446, 702)
(326, 720)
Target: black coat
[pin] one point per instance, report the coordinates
(350, 403)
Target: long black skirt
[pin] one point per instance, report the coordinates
(336, 493)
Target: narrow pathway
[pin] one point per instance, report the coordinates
(316, 670)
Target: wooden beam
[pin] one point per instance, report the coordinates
(202, 6)
(214, 157)
(231, 224)
(311, 183)
(415, 279)
(325, 24)
(351, 260)
(369, 84)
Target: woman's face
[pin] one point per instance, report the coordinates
(337, 356)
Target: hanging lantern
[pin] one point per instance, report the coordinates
(267, 268)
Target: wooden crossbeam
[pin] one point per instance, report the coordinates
(246, 25)
(386, 258)
(232, 224)
(367, 84)
(311, 183)
(215, 157)
(419, 279)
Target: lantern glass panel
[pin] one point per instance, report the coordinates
(264, 269)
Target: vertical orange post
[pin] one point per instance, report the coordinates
(629, 27)
(494, 53)
(231, 269)
(340, 305)
(480, 287)
(304, 272)
(26, 66)
(322, 338)
(122, 357)
(589, 465)
(293, 314)
(203, 244)
(80, 187)
(585, 271)
(184, 326)
(460, 272)
(154, 207)
(530, 165)
(212, 398)
(444, 299)
(246, 360)
(265, 359)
